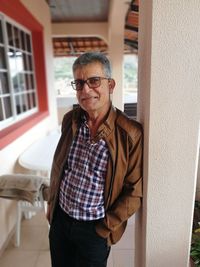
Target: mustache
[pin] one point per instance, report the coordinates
(88, 96)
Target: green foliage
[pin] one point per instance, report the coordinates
(130, 73)
(195, 245)
(63, 68)
(195, 250)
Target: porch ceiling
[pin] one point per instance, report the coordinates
(90, 11)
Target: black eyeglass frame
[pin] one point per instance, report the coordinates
(82, 82)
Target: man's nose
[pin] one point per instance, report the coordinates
(86, 88)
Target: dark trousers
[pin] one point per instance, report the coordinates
(75, 243)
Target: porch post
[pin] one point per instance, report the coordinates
(118, 9)
(168, 107)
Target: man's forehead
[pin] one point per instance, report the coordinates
(93, 68)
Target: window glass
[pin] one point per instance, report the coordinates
(130, 78)
(22, 34)
(10, 34)
(28, 43)
(34, 99)
(2, 58)
(1, 110)
(4, 88)
(30, 62)
(16, 37)
(1, 33)
(31, 81)
(30, 105)
(24, 61)
(7, 106)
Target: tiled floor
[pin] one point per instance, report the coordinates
(34, 247)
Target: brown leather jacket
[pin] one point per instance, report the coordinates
(123, 186)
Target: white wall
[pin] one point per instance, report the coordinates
(169, 98)
(10, 154)
(99, 29)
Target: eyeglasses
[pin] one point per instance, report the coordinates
(92, 82)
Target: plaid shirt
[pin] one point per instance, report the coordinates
(82, 187)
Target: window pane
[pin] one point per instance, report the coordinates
(18, 82)
(12, 62)
(22, 40)
(19, 61)
(29, 101)
(28, 43)
(34, 100)
(21, 103)
(4, 89)
(24, 102)
(18, 104)
(7, 106)
(16, 37)
(30, 62)
(21, 82)
(29, 79)
(26, 81)
(2, 58)
(24, 62)
(1, 33)
(1, 110)
(9, 34)
(32, 81)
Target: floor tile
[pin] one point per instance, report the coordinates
(43, 259)
(34, 246)
(123, 258)
(14, 257)
(45, 241)
(37, 219)
(32, 238)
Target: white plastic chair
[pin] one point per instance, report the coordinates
(24, 207)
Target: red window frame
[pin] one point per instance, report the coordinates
(17, 11)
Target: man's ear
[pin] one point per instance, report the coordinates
(111, 84)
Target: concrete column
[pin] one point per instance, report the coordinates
(168, 104)
(118, 9)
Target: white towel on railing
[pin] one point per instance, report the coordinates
(22, 186)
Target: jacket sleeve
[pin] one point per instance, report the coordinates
(129, 200)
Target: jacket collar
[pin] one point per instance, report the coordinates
(106, 127)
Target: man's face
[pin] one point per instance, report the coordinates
(94, 99)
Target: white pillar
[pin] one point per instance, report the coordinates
(168, 100)
(118, 9)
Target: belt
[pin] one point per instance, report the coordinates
(71, 219)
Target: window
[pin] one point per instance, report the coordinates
(18, 95)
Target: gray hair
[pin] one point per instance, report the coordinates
(92, 57)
